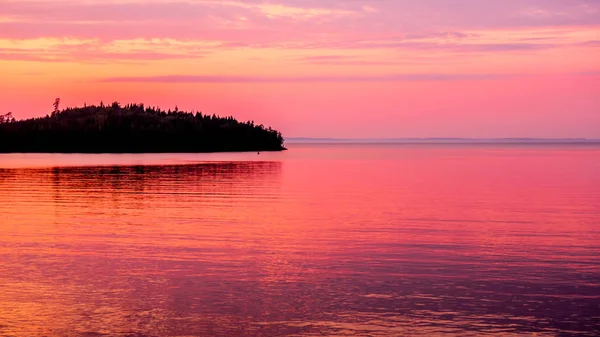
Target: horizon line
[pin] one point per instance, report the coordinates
(444, 139)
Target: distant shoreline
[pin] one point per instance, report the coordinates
(300, 140)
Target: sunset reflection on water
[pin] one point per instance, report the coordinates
(362, 240)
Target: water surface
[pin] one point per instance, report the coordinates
(321, 240)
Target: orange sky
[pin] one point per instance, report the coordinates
(327, 68)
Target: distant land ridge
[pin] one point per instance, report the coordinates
(133, 128)
(440, 140)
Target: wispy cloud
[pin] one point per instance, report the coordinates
(323, 58)
(592, 43)
(163, 11)
(350, 60)
(290, 19)
(304, 79)
(95, 51)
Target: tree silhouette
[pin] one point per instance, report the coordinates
(7, 118)
(133, 128)
(56, 105)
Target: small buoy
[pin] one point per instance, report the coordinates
(258, 153)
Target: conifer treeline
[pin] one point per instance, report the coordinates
(134, 128)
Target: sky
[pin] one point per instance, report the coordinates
(316, 68)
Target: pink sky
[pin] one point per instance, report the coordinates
(317, 68)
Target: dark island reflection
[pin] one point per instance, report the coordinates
(251, 249)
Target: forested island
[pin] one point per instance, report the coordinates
(133, 128)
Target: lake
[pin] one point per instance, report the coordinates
(320, 240)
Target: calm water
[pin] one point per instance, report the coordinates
(321, 240)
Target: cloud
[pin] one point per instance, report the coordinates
(592, 43)
(325, 27)
(88, 57)
(95, 52)
(345, 60)
(369, 9)
(160, 11)
(215, 79)
(362, 63)
(401, 44)
(323, 58)
(440, 35)
(287, 19)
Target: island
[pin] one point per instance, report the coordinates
(133, 128)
